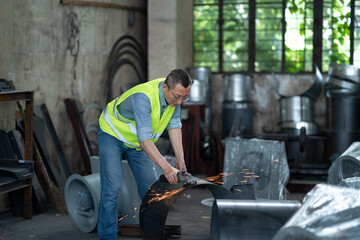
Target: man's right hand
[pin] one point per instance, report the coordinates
(171, 174)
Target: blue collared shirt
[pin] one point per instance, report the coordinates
(138, 107)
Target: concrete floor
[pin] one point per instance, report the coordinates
(187, 211)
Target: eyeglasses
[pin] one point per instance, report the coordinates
(180, 98)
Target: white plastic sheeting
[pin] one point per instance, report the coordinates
(262, 163)
(346, 166)
(353, 182)
(328, 212)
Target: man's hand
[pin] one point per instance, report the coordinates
(171, 174)
(180, 164)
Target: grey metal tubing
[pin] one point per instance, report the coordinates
(88, 107)
(345, 71)
(336, 83)
(297, 109)
(157, 201)
(237, 88)
(201, 88)
(249, 219)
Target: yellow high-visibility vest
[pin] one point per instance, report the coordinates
(124, 129)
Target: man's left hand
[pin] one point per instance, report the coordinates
(180, 164)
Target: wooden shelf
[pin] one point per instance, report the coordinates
(28, 97)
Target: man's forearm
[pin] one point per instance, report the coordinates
(151, 150)
(175, 135)
(153, 153)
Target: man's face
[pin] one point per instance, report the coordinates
(177, 95)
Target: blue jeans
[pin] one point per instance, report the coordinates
(110, 155)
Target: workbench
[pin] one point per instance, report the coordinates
(11, 184)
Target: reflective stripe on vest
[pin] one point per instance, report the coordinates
(131, 126)
(108, 120)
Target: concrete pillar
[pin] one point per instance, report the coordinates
(169, 36)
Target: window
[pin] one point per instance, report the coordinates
(289, 36)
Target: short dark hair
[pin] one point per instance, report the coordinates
(178, 76)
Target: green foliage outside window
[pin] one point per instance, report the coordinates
(274, 52)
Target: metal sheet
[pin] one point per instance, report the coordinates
(42, 111)
(40, 138)
(6, 150)
(314, 91)
(161, 196)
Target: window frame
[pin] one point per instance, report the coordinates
(317, 53)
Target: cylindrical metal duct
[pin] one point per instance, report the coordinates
(201, 91)
(237, 111)
(336, 83)
(249, 219)
(343, 123)
(198, 92)
(82, 197)
(338, 141)
(343, 114)
(237, 106)
(237, 88)
(343, 81)
(297, 109)
(345, 71)
(297, 112)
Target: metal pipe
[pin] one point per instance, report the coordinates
(249, 219)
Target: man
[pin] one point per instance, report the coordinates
(131, 124)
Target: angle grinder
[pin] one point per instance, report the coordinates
(183, 177)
